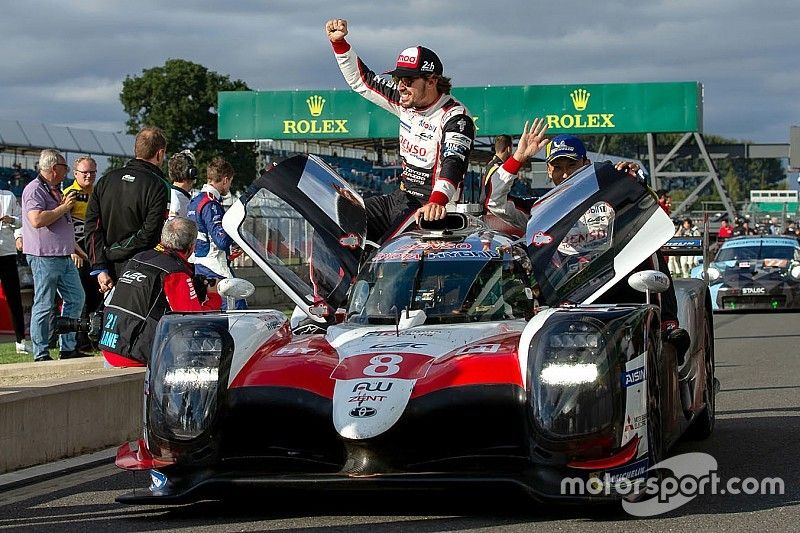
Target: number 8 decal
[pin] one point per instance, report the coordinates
(384, 365)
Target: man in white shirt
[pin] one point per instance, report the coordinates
(183, 174)
(10, 243)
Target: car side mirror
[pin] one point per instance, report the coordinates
(235, 289)
(649, 281)
(359, 298)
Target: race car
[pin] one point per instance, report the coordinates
(462, 356)
(755, 272)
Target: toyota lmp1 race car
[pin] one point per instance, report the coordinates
(755, 273)
(464, 356)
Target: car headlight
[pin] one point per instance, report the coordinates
(713, 273)
(572, 392)
(795, 272)
(188, 362)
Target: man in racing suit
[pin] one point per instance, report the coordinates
(436, 132)
(212, 252)
(566, 155)
(152, 283)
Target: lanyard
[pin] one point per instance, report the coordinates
(57, 197)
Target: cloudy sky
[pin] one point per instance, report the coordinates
(63, 62)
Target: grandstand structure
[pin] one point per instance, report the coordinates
(21, 142)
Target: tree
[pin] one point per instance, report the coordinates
(181, 98)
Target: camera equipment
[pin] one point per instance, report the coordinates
(79, 196)
(92, 325)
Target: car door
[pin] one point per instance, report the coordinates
(590, 232)
(305, 226)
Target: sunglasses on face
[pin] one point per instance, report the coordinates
(406, 80)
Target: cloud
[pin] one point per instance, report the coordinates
(64, 61)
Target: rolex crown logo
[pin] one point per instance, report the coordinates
(315, 105)
(580, 97)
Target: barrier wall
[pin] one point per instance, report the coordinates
(49, 419)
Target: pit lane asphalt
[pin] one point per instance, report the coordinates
(757, 435)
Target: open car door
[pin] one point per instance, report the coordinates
(269, 223)
(592, 231)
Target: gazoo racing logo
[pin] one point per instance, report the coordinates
(580, 100)
(316, 105)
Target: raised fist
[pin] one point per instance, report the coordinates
(336, 29)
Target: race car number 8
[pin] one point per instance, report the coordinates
(384, 365)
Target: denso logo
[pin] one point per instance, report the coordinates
(412, 149)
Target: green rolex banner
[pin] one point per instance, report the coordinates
(580, 109)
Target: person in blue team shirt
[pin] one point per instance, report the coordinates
(212, 252)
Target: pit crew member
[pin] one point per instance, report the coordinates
(152, 283)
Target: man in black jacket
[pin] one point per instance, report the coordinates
(127, 209)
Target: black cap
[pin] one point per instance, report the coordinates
(417, 61)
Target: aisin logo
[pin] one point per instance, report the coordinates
(315, 105)
(580, 98)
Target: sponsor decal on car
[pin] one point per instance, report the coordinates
(478, 348)
(632, 377)
(630, 471)
(397, 345)
(363, 412)
(393, 365)
(375, 386)
(361, 398)
(287, 350)
(392, 333)
(319, 309)
(157, 480)
(541, 238)
(754, 290)
(351, 240)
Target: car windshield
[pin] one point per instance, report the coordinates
(737, 253)
(452, 282)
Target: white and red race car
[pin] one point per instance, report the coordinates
(464, 355)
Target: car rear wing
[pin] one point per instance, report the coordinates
(683, 246)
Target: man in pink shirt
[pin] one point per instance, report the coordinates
(48, 241)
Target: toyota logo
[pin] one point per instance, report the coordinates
(363, 412)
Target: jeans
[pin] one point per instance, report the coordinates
(51, 274)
